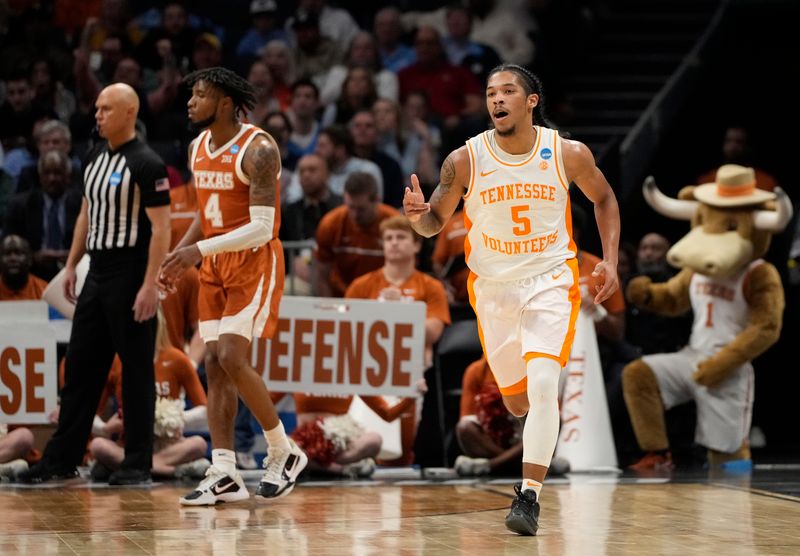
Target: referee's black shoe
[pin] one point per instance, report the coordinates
(523, 518)
(43, 471)
(129, 477)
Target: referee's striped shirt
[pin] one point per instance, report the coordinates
(118, 186)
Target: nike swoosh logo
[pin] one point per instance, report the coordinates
(484, 174)
(218, 488)
(199, 159)
(291, 463)
(557, 276)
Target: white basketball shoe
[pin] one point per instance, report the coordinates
(217, 487)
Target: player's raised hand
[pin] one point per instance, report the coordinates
(414, 204)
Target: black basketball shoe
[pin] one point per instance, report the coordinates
(130, 477)
(523, 518)
(43, 472)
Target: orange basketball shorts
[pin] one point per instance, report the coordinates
(240, 292)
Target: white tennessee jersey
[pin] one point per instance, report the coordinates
(720, 309)
(517, 213)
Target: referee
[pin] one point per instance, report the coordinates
(124, 226)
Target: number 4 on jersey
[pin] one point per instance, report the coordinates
(212, 212)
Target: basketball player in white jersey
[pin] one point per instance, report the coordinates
(523, 282)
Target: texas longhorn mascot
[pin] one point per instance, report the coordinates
(737, 299)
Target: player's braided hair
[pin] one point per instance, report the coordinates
(238, 89)
(532, 85)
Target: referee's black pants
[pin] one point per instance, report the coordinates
(104, 325)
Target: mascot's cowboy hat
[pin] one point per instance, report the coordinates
(734, 186)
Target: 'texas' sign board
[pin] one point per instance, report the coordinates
(344, 346)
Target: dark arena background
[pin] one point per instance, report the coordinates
(668, 89)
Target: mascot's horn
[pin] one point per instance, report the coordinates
(671, 208)
(774, 221)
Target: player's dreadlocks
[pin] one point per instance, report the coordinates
(532, 85)
(238, 89)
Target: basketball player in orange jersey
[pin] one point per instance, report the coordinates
(523, 283)
(236, 167)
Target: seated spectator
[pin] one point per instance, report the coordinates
(349, 238)
(410, 143)
(46, 216)
(50, 94)
(16, 281)
(647, 332)
(16, 445)
(505, 28)
(335, 23)
(365, 146)
(174, 36)
(458, 95)
(487, 433)
(299, 220)
(50, 135)
(335, 145)
(504, 25)
(265, 28)
(280, 62)
(399, 281)
(314, 53)
(173, 454)
(207, 51)
(335, 442)
(461, 50)
(278, 125)
(303, 115)
(115, 19)
(358, 93)
(416, 109)
(737, 148)
(18, 115)
(388, 28)
(363, 52)
(95, 64)
(260, 78)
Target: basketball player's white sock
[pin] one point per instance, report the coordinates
(224, 460)
(530, 484)
(540, 434)
(277, 438)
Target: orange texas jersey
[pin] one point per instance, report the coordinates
(223, 189)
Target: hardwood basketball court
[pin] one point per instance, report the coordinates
(581, 515)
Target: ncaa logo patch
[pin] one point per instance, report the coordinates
(234, 149)
(115, 179)
(547, 154)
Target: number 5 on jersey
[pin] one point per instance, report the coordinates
(212, 212)
(523, 221)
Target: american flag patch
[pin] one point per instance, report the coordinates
(162, 184)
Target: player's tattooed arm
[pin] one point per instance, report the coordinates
(453, 177)
(262, 164)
